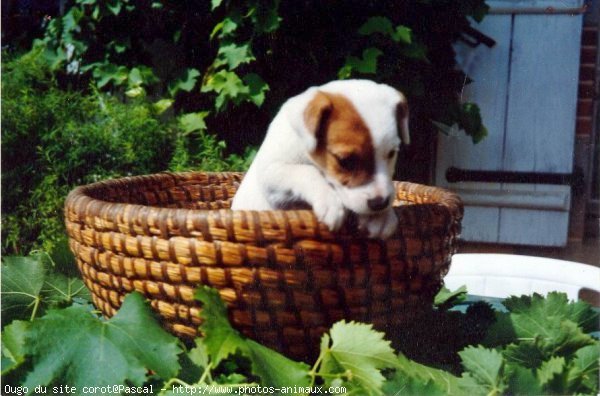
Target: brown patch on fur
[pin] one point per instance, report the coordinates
(344, 145)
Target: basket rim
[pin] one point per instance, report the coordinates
(444, 207)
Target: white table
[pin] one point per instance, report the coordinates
(503, 275)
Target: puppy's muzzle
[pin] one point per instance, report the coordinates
(378, 203)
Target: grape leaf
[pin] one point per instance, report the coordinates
(185, 82)
(585, 370)
(367, 64)
(28, 288)
(22, 282)
(222, 340)
(411, 386)
(443, 380)
(550, 369)
(360, 352)
(193, 121)
(447, 298)
(485, 367)
(234, 55)
(522, 381)
(258, 88)
(275, 369)
(74, 346)
(13, 345)
(402, 34)
(376, 24)
(554, 324)
(526, 354)
(58, 290)
(228, 86)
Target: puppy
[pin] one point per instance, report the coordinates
(333, 148)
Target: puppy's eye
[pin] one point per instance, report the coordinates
(349, 162)
(391, 154)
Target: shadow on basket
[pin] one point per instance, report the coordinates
(285, 278)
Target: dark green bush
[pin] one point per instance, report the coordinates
(229, 56)
(54, 139)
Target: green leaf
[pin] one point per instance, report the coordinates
(274, 369)
(526, 354)
(162, 105)
(220, 338)
(382, 25)
(522, 381)
(186, 82)
(550, 369)
(193, 121)
(447, 298)
(28, 287)
(557, 305)
(366, 65)
(377, 24)
(485, 367)
(228, 86)
(415, 51)
(234, 55)
(215, 4)
(265, 16)
(584, 372)
(60, 291)
(411, 386)
(110, 73)
(135, 92)
(402, 34)
(13, 345)
(135, 77)
(74, 346)
(224, 28)
(114, 6)
(551, 326)
(258, 88)
(443, 380)
(199, 355)
(360, 361)
(470, 120)
(22, 282)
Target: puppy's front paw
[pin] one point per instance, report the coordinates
(329, 210)
(381, 225)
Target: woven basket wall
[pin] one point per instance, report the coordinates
(284, 276)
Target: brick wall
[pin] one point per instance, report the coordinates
(587, 74)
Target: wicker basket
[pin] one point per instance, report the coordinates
(284, 276)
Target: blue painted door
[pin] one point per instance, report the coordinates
(526, 87)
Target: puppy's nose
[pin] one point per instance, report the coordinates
(378, 203)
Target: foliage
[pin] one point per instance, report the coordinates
(32, 285)
(226, 57)
(353, 357)
(95, 352)
(54, 140)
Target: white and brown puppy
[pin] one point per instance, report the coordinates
(333, 147)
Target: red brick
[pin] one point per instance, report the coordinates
(586, 89)
(585, 107)
(587, 72)
(584, 126)
(588, 54)
(589, 36)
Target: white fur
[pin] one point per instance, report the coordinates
(283, 172)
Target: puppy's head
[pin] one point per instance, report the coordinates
(352, 129)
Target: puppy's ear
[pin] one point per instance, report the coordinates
(402, 119)
(315, 116)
